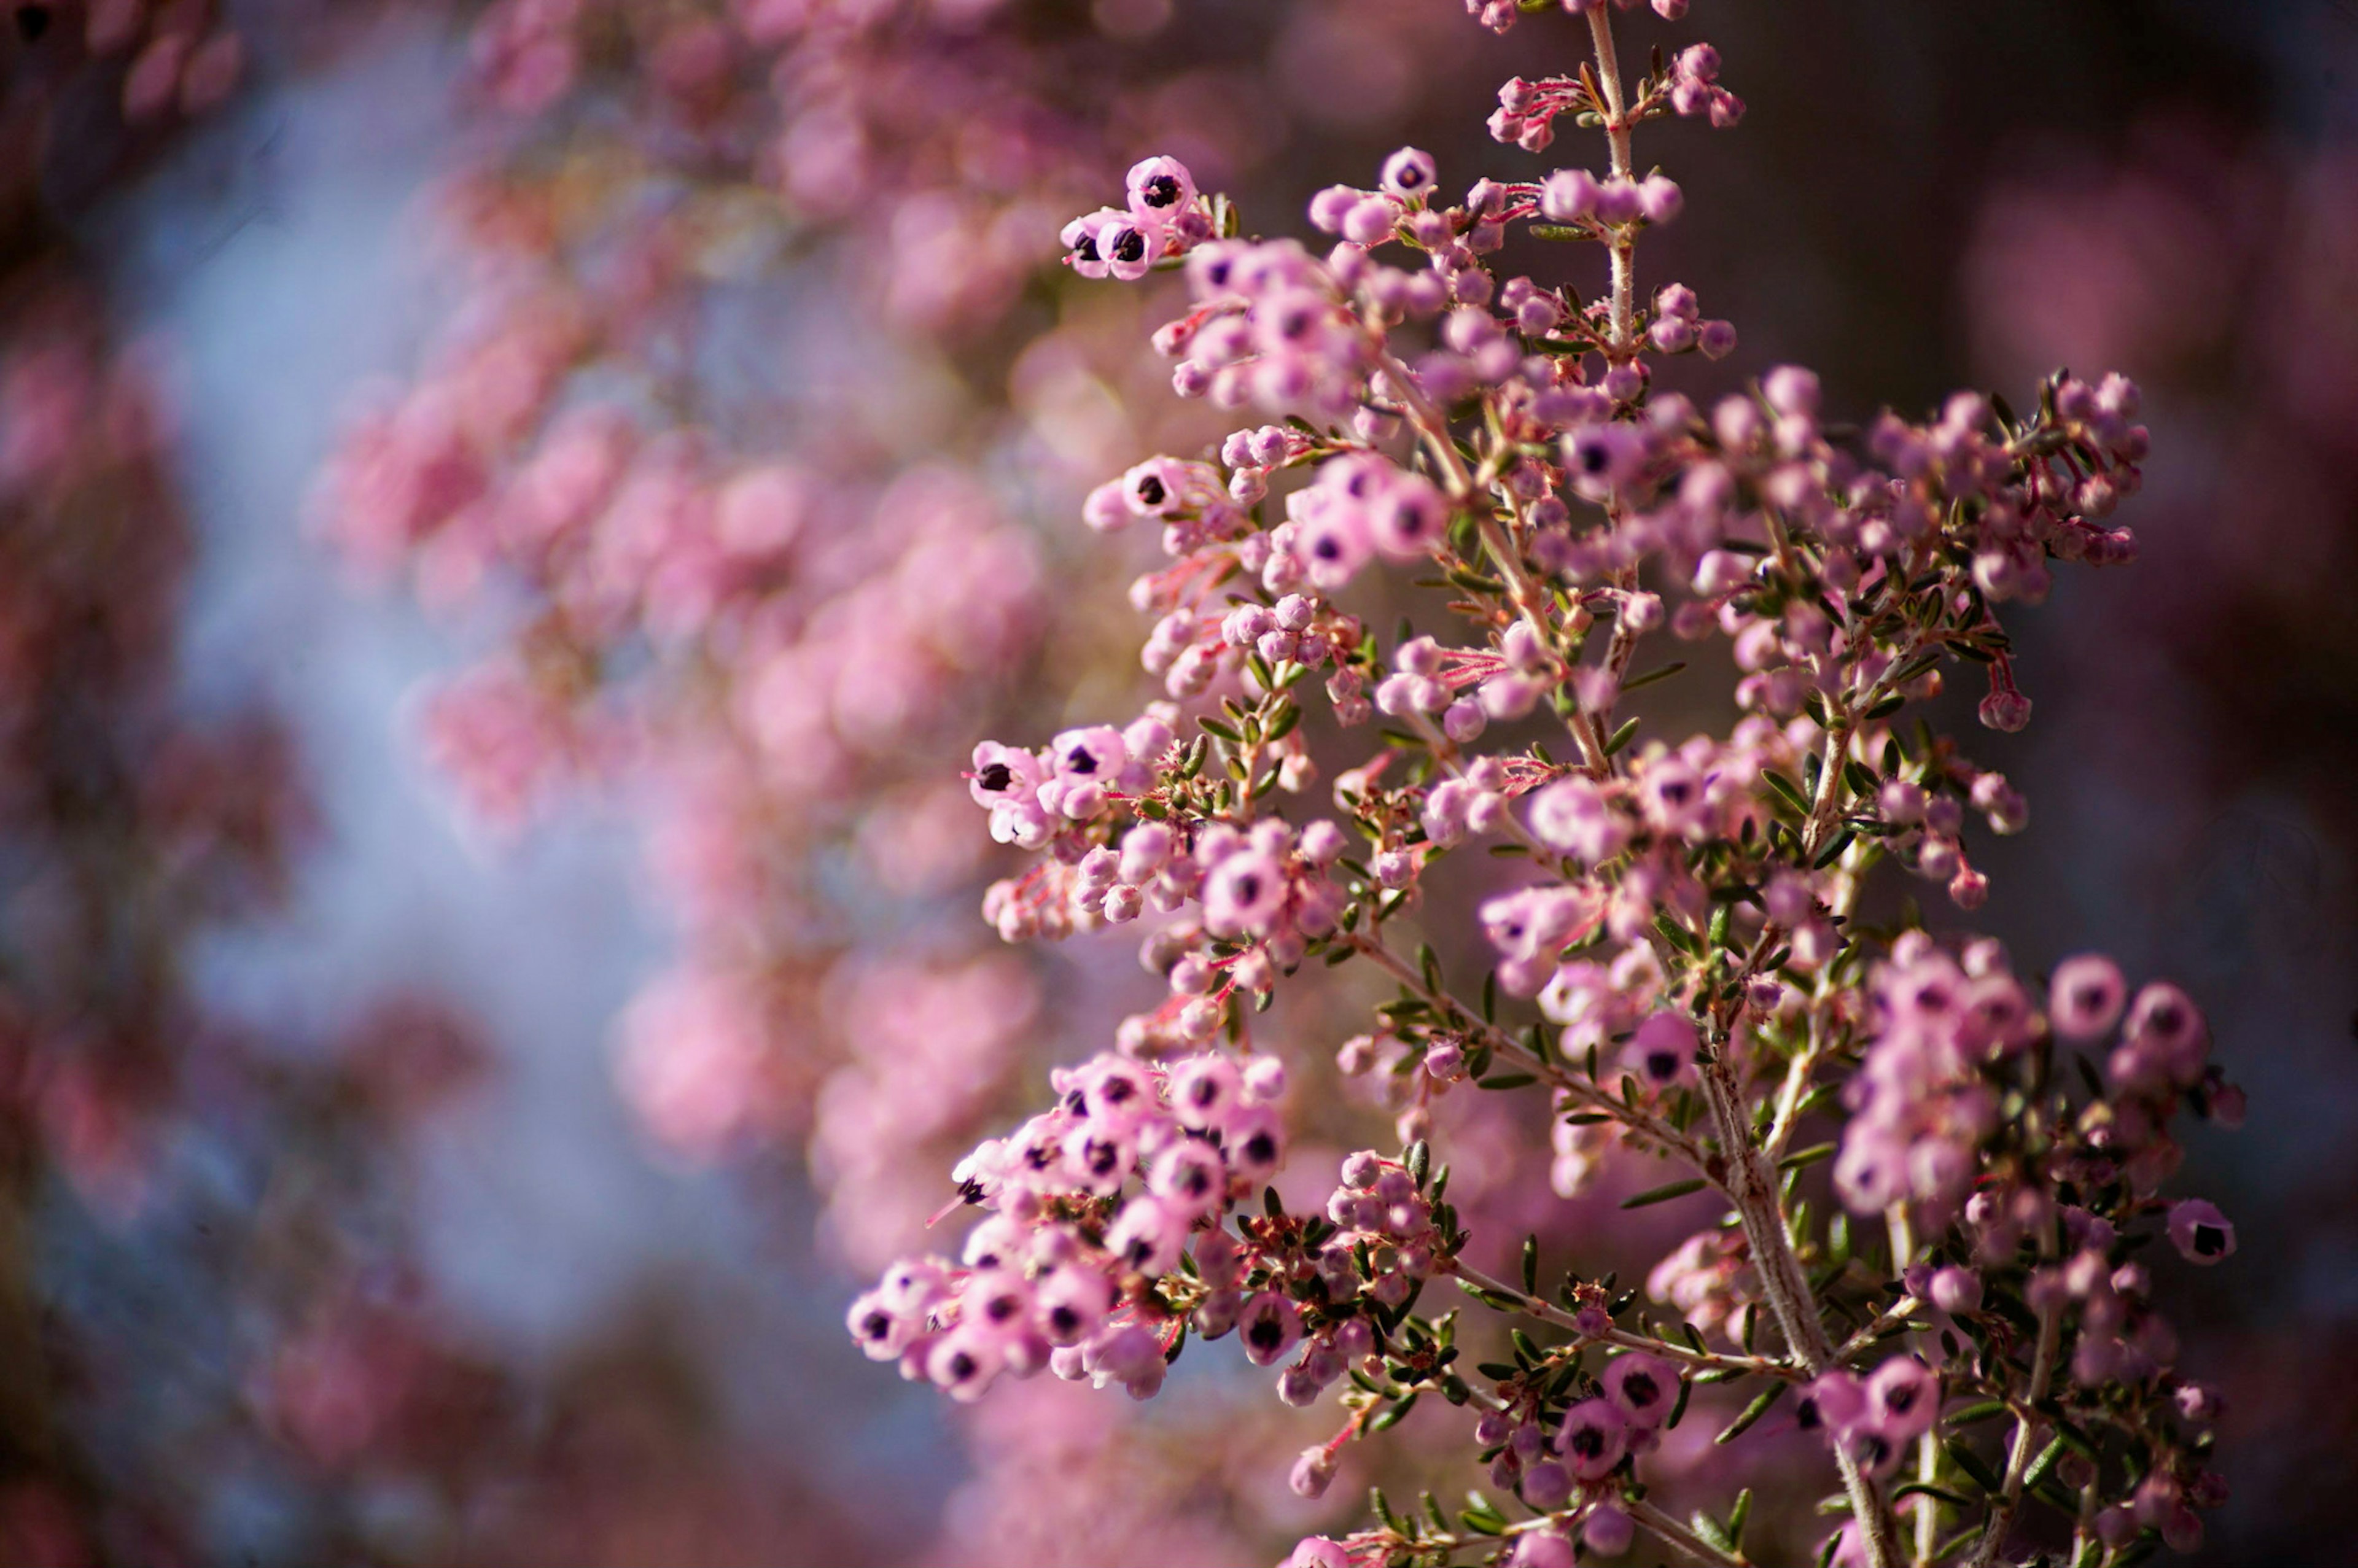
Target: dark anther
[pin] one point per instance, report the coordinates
(32, 23)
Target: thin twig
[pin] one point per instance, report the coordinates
(1616, 134)
(2026, 1435)
(1684, 1354)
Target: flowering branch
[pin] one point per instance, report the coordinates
(1683, 975)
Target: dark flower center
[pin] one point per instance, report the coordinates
(2209, 1240)
(996, 777)
(1160, 191)
(1128, 245)
(1150, 490)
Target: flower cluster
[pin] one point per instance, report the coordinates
(1163, 218)
(1069, 1274)
(1680, 961)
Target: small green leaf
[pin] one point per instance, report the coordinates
(1712, 1530)
(2044, 1465)
(1971, 1464)
(1753, 1411)
(1650, 676)
(1679, 1409)
(1972, 1414)
(1926, 1490)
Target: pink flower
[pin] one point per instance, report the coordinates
(1642, 1388)
(1244, 895)
(1595, 1434)
(1270, 1326)
(2201, 1233)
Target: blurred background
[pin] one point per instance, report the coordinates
(512, 518)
